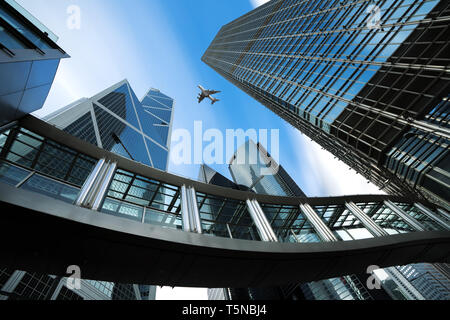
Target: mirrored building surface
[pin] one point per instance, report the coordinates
(367, 80)
(116, 120)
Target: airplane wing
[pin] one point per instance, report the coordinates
(214, 92)
(200, 99)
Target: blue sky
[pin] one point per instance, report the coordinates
(159, 43)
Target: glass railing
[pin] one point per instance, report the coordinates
(29, 180)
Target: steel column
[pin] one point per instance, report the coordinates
(367, 222)
(404, 216)
(319, 226)
(104, 185)
(185, 210)
(444, 213)
(433, 216)
(263, 230)
(89, 183)
(265, 221)
(194, 213)
(189, 210)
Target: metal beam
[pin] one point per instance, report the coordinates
(367, 222)
(189, 210)
(104, 185)
(257, 221)
(433, 216)
(185, 209)
(265, 221)
(84, 193)
(194, 213)
(404, 216)
(262, 225)
(444, 213)
(319, 226)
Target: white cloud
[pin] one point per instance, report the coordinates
(168, 293)
(257, 3)
(328, 176)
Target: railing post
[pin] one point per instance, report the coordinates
(195, 214)
(96, 186)
(104, 185)
(262, 225)
(444, 213)
(185, 210)
(189, 210)
(265, 221)
(367, 222)
(319, 226)
(88, 184)
(257, 221)
(404, 216)
(433, 216)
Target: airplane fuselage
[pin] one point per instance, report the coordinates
(206, 94)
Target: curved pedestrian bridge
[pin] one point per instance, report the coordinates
(65, 202)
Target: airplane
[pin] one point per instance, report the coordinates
(207, 94)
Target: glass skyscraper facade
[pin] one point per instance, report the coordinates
(116, 120)
(367, 80)
(29, 59)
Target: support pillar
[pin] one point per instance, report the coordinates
(319, 226)
(404, 216)
(366, 221)
(96, 186)
(189, 210)
(262, 224)
(433, 216)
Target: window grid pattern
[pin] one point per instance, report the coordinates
(33, 152)
(131, 195)
(34, 286)
(318, 66)
(65, 295)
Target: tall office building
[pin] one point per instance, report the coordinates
(116, 120)
(252, 167)
(366, 80)
(29, 59)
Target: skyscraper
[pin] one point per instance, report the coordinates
(368, 81)
(117, 121)
(29, 59)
